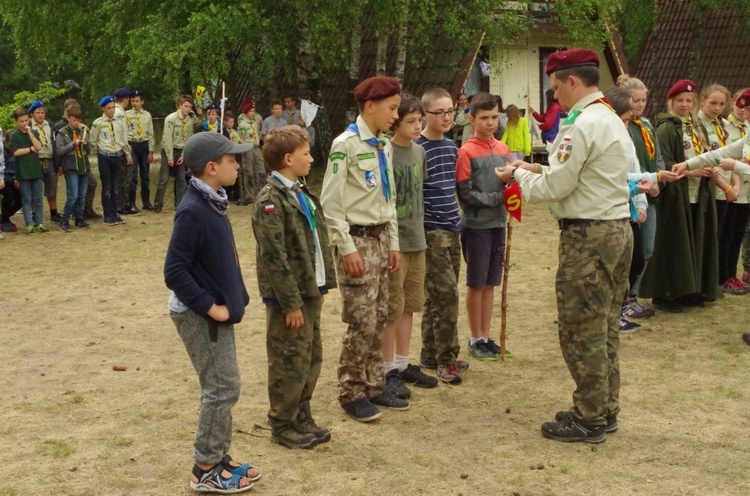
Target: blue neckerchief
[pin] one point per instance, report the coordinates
(304, 204)
(381, 158)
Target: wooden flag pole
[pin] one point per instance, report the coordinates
(223, 104)
(504, 298)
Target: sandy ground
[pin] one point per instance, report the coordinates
(76, 304)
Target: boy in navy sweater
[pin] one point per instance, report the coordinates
(207, 297)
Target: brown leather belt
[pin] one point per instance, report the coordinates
(371, 231)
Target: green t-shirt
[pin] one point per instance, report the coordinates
(27, 166)
(410, 170)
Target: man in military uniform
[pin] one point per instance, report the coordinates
(253, 172)
(359, 206)
(178, 127)
(586, 184)
(141, 139)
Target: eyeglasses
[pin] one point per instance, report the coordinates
(442, 113)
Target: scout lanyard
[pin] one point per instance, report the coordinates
(647, 140)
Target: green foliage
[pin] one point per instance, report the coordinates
(46, 92)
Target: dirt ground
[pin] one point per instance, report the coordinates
(76, 304)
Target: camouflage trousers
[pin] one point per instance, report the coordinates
(440, 317)
(592, 279)
(746, 250)
(295, 357)
(252, 174)
(365, 309)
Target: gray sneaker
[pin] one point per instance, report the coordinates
(394, 384)
(388, 400)
(481, 351)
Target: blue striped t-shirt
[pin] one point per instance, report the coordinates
(440, 204)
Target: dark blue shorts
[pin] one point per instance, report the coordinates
(484, 251)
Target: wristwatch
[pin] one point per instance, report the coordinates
(513, 174)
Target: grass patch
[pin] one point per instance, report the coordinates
(56, 448)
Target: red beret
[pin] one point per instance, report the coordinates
(744, 99)
(575, 57)
(376, 88)
(247, 106)
(682, 86)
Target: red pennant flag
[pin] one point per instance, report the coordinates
(513, 200)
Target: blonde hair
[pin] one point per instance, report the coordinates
(694, 121)
(712, 88)
(629, 83)
(280, 142)
(431, 95)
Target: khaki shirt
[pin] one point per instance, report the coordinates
(587, 177)
(45, 138)
(177, 130)
(109, 136)
(352, 192)
(716, 139)
(249, 131)
(140, 127)
(739, 151)
(738, 129)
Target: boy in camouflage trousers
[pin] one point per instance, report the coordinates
(295, 268)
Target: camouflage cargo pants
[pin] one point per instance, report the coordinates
(440, 318)
(294, 360)
(592, 278)
(365, 308)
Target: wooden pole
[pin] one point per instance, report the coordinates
(504, 298)
(223, 104)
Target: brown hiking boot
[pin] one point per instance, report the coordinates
(307, 424)
(293, 436)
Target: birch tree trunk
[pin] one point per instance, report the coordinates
(382, 53)
(401, 49)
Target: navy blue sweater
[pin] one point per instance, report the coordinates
(202, 266)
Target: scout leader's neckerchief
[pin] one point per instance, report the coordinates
(381, 158)
(740, 126)
(574, 115)
(720, 132)
(694, 137)
(647, 140)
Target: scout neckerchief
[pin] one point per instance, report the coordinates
(304, 203)
(693, 136)
(291, 114)
(721, 133)
(42, 134)
(381, 158)
(211, 127)
(112, 130)
(574, 114)
(77, 147)
(184, 127)
(647, 140)
(138, 127)
(740, 126)
(253, 135)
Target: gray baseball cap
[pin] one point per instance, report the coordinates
(206, 147)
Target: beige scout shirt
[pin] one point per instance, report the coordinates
(352, 193)
(177, 130)
(587, 177)
(737, 129)
(109, 136)
(739, 151)
(45, 138)
(716, 139)
(140, 127)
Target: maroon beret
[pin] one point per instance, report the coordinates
(376, 88)
(575, 57)
(682, 86)
(247, 106)
(744, 99)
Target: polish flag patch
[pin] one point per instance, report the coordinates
(269, 208)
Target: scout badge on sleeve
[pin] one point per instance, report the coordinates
(564, 150)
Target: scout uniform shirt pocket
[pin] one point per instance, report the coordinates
(369, 172)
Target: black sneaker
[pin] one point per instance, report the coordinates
(665, 305)
(362, 410)
(388, 400)
(481, 351)
(57, 218)
(611, 426)
(495, 348)
(110, 221)
(394, 384)
(118, 220)
(80, 223)
(65, 227)
(413, 375)
(569, 430)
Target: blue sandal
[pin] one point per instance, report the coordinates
(241, 470)
(211, 481)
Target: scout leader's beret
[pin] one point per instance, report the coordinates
(36, 105)
(376, 88)
(136, 93)
(122, 93)
(575, 57)
(247, 106)
(744, 99)
(106, 100)
(682, 86)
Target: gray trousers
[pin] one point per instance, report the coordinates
(219, 376)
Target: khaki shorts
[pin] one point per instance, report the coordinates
(406, 286)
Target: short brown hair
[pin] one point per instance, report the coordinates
(409, 104)
(69, 103)
(429, 97)
(281, 141)
(482, 101)
(19, 112)
(182, 99)
(74, 111)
